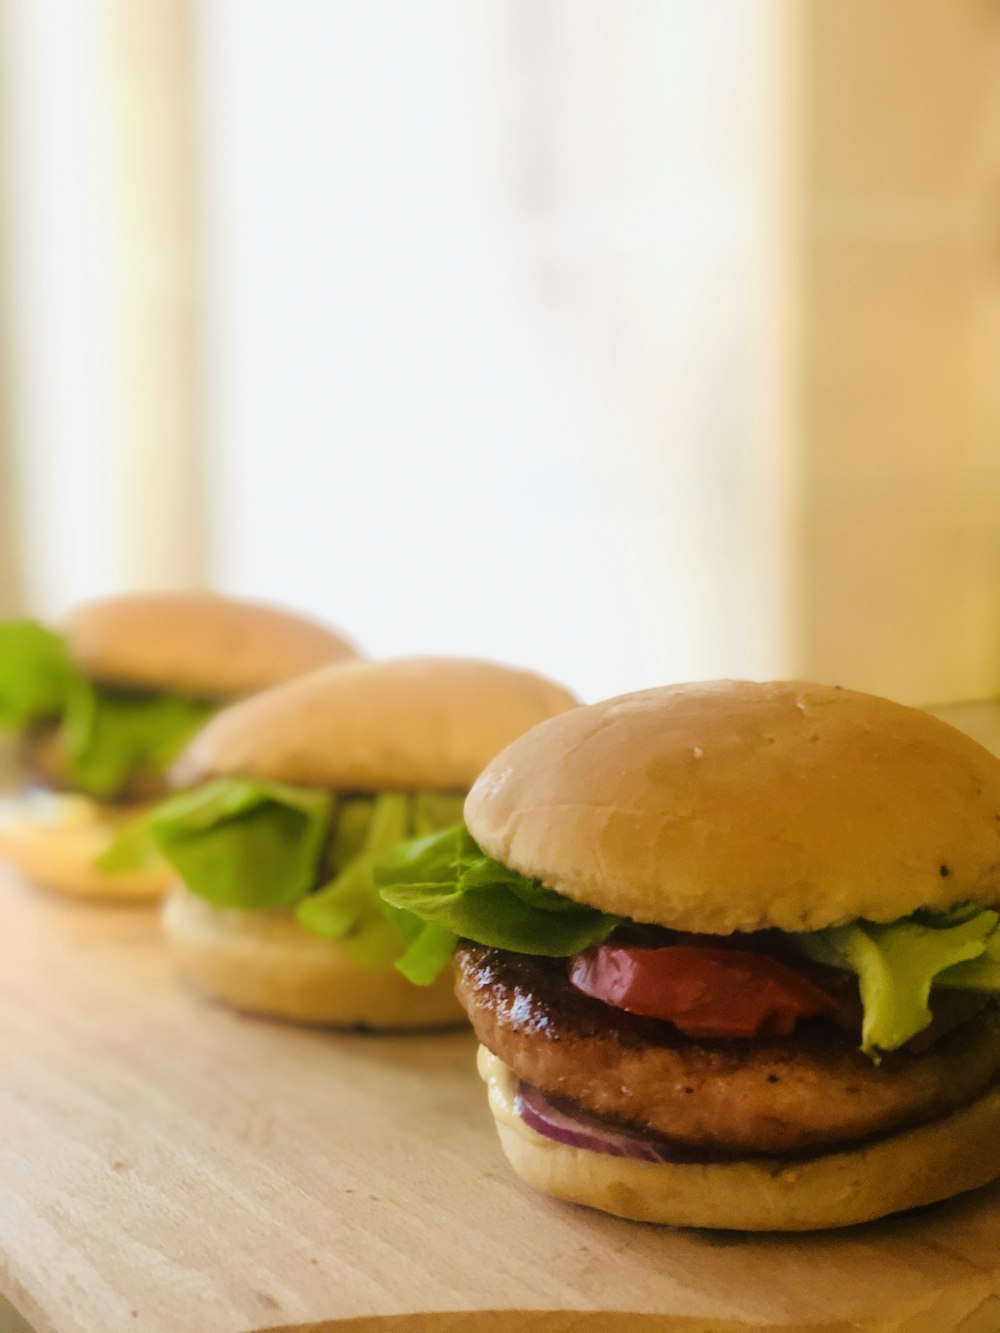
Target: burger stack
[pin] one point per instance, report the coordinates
(731, 950)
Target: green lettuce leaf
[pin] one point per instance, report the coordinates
(898, 963)
(433, 811)
(106, 735)
(35, 674)
(109, 736)
(982, 973)
(133, 847)
(246, 844)
(447, 882)
(254, 845)
(429, 946)
(349, 907)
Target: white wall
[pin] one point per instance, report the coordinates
(486, 282)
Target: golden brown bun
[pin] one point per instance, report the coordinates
(197, 643)
(906, 1170)
(54, 841)
(266, 963)
(731, 806)
(410, 723)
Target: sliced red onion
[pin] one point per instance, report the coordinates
(579, 1129)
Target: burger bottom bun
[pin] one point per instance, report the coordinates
(54, 840)
(264, 962)
(918, 1166)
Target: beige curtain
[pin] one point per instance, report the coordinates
(896, 374)
(100, 402)
(152, 134)
(13, 592)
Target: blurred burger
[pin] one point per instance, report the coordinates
(731, 953)
(101, 707)
(293, 796)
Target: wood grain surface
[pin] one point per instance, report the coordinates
(167, 1166)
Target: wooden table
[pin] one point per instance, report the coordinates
(169, 1167)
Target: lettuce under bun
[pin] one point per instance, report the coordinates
(292, 797)
(101, 706)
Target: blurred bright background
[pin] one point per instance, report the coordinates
(631, 340)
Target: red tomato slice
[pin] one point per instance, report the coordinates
(704, 992)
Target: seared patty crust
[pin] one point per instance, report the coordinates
(805, 1093)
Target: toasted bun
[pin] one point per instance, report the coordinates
(54, 841)
(736, 806)
(410, 723)
(196, 643)
(906, 1170)
(266, 963)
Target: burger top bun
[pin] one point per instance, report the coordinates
(198, 643)
(409, 723)
(735, 806)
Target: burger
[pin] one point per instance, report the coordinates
(100, 707)
(292, 796)
(731, 951)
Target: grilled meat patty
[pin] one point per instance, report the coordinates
(41, 760)
(805, 1093)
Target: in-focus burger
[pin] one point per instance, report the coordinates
(731, 952)
(101, 707)
(299, 791)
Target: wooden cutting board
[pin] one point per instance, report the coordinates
(169, 1167)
